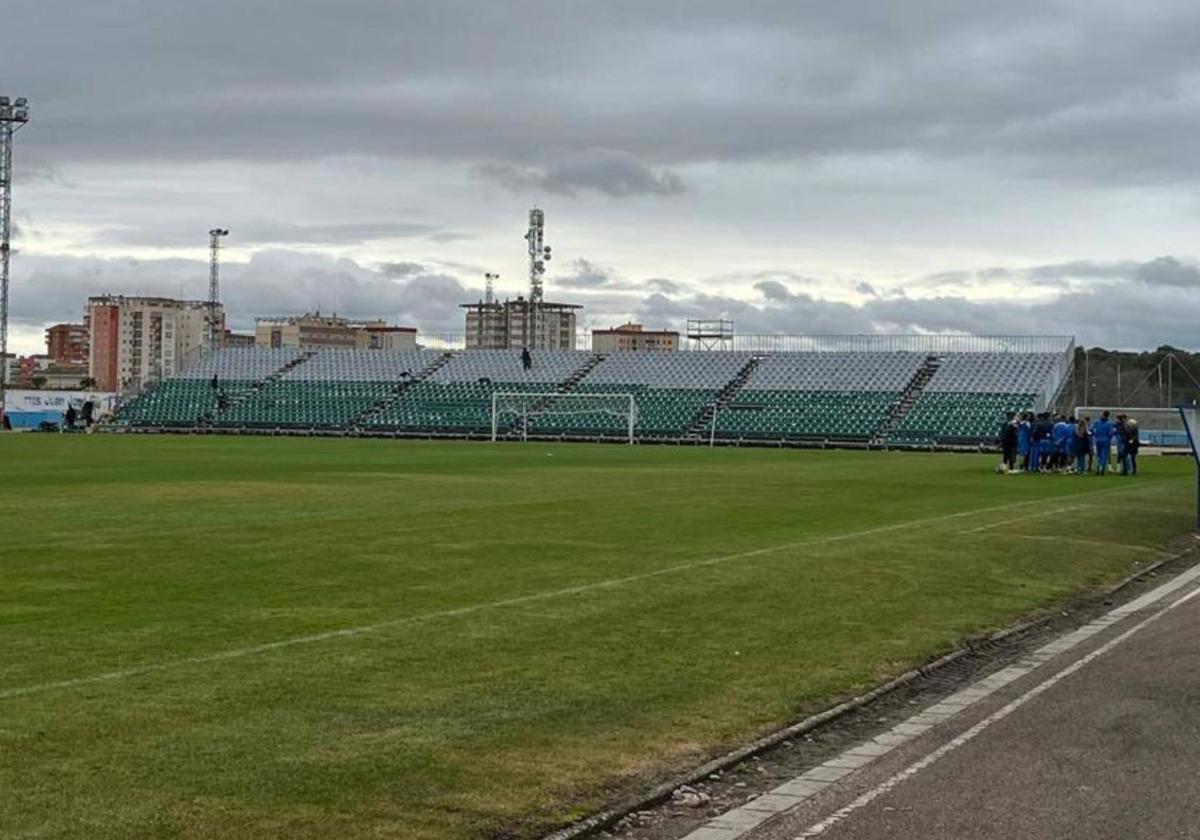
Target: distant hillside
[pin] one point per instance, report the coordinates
(1145, 379)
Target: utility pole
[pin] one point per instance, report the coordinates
(216, 336)
(13, 115)
(1170, 390)
(1087, 377)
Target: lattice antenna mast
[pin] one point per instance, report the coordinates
(13, 115)
(215, 333)
(539, 255)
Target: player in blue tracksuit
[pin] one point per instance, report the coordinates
(1062, 442)
(1046, 449)
(1023, 430)
(1103, 430)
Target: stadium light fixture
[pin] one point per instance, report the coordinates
(13, 116)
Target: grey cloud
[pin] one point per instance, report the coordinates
(1080, 270)
(585, 274)
(1123, 313)
(614, 173)
(277, 282)
(401, 269)
(1118, 313)
(1168, 271)
(1067, 275)
(773, 290)
(1056, 91)
(662, 284)
(263, 232)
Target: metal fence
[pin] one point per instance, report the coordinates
(907, 343)
(914, 343)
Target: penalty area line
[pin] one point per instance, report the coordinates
(611, 583)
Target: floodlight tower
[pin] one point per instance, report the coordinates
(13, 115)
(489, 289)
(215, 336)
(539, 255)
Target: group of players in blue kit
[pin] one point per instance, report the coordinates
(1046, 443)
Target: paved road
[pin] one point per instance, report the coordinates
(1110, 750)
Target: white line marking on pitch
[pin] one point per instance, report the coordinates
(741, 821)
(237, 653)
(1041, 515)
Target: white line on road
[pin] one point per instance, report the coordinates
(953, 744)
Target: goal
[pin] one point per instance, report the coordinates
(519, 412)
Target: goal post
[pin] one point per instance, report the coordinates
(583, 414)
(1190, 416)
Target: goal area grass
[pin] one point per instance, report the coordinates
(246, 637)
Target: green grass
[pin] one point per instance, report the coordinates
(551, 624)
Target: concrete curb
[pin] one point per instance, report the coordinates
(662, 792)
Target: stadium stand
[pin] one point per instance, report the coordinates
(329, 390)
(189, 398)
(896, 398)
(818, 395)
(670, 390)
(457, 398)
(970, 394)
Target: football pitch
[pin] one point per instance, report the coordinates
(257, 637)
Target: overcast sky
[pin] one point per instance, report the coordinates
(801, 167)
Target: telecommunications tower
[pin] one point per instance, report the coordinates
(13, 115)
(539, 255)
(215, 332)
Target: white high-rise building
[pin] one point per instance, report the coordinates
(135, 340)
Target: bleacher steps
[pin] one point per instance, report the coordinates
(567, 386)
(397, 393)
(206, 419)
(908, 398)
(699, 427)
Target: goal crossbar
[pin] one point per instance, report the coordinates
(526, 406)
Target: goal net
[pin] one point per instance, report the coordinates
(600, 415)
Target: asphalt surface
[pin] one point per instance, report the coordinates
(1111, 750)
